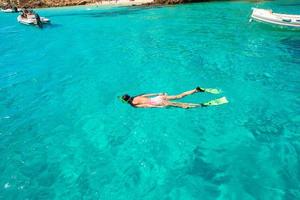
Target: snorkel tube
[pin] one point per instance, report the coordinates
(122, 100)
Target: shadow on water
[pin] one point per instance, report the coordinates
(114, 13)
(275, 28)
(293, 46)
(199, 167)
(197, 171)
(292, 43)
(266, 126)
(53, 26)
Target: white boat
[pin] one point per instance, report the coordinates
(31, 20)
(11, 10)
(267, 16)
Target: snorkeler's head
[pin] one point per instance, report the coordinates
(126, 97)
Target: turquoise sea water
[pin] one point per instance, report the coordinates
(65, 135)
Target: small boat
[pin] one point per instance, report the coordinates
(267, 16)
(33, 19)
(11, 10)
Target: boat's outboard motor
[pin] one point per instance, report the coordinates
(15, 9)
(38, 20)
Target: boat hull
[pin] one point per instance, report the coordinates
(267, 16)
(32, 21)
(9, 10)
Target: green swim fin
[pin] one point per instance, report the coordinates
(215, 102)
(209, 90)
(212, 90)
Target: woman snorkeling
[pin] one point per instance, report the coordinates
(161, 100)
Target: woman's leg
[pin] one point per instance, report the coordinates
(179, 96)
(182, 105)
(215, 102)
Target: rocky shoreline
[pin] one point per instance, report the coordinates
(61, 3)
(45, 3)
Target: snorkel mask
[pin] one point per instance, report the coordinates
(125, 98)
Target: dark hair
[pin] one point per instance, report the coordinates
(126, 97)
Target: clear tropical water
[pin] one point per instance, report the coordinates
(65, 135)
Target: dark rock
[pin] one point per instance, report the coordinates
(83, 3)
